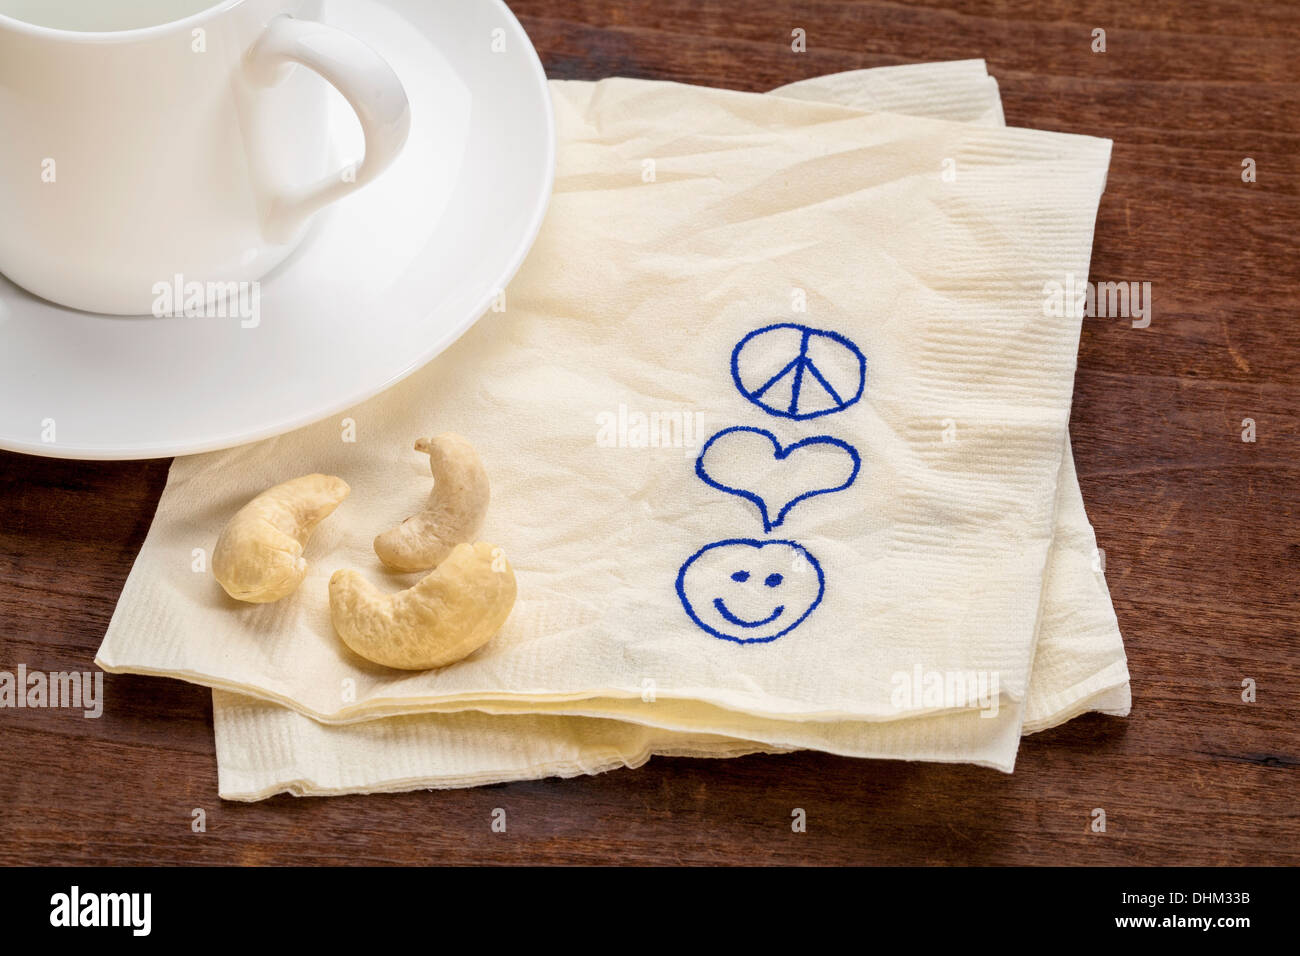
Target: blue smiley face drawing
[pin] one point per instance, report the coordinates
(750, 591)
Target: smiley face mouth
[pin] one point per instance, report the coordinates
(741, 622)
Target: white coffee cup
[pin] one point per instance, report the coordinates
(145, 140)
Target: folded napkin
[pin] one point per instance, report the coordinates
(690, 226)
(957, 90)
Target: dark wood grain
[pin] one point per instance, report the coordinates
(1200, 530)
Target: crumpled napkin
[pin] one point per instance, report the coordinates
(687, 221)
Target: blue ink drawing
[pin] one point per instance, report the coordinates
(825, 371)
(750, 591)
(780, 454)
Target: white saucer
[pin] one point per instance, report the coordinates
(387, 279)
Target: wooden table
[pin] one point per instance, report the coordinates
(1198, 526)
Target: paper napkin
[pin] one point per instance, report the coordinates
(686, 226)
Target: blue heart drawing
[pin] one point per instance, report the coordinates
(780, 454)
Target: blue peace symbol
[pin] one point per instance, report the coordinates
(807, 381)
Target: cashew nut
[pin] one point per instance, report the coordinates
(258, 557)
(453, 514)
(452, 612)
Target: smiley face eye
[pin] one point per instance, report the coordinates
(772, 580)
(740, 577)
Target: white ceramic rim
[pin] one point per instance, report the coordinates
(148, 450)
(114, 36)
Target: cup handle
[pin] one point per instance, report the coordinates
(366, 81)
